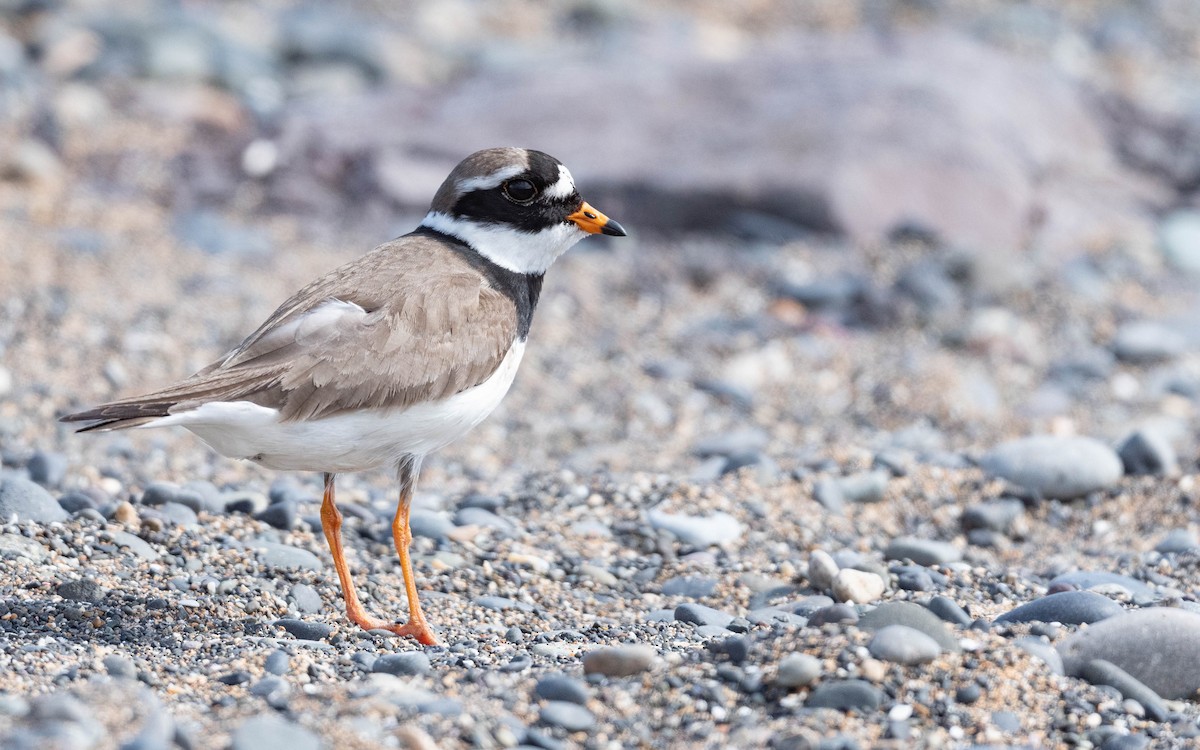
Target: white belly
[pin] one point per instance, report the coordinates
(353, 441)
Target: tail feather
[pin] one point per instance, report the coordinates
(119, 416)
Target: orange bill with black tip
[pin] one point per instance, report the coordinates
(593, 222)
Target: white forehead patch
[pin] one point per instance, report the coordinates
(489, 181)
(564, 186)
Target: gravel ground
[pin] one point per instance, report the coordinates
(755, 486)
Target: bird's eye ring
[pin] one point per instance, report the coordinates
(520, 190)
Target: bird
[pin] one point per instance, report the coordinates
(392, 356)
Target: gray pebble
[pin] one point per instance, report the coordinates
(1179, 238)
(305, 630)
(949, 610)
(845, 695)
(47, 468)
(1148, 452)
(822, 570)
(833, 614)
(74, 502)
(619, 661)
(270, 732)
(994, 515)
(1067, 607)
(82, 591)
(1103, 580)
(275, 555)
(1177, 541)
(901, 644)
(472, 516)
(120, 666)
(1159, 647)
(430, 524)
(701, 615)
(866, 487)
(277, 662)
(27, 501)
(1103, 672)
(16, 547)
(180, 515)
(281, 515)
(403, 664)
(569, 716)
(733, 443)
(306, 598)
(911, 615)
(1057, 468)
(927, 552)
(560, 687)
(698, 531)
(1126, 742)
(692, 587)
(797, 670)
(501, 603)
(828, 493)
(1145, 342)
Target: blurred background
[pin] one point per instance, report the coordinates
(945, 213)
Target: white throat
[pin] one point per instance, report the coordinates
(522, 252)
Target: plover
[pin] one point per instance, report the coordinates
(392, 356)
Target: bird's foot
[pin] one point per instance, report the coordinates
(415, 628)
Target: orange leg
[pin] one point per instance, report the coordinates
(331, 523)
(402, 535)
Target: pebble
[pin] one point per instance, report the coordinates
(430, 524)
(306, 598)
(1159, 647)
(698, 531)
(1148, 452)
(856, 586)
(27, 501)
(15, 547)
(699, 614)
(621, 661)
(1145, 342)
(822, 570)
(1001, 516)
(270, 732)
(927, 552)
(475, 516)
(1104, 581)
(797, 670)
(569, 716)
(845, 695)
(866, 487)
(828, 493)
(901, 644)
(277, 662)
(403, 664)
(120, 666)
(305, 630)
(47, 468)
(912, 615)
(275, 555)
(180, 515)
(1179, 238)
(74, 502)
(834, 614)
(691, 587)
(281, 515)
(1067, 607)
(1178, 541)
(1056, 468)
(560, 687)
(82, 591)
(949, 610)
(134, 544)
(501, 603)
(1103, 672)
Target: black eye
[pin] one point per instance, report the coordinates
(521, 191)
